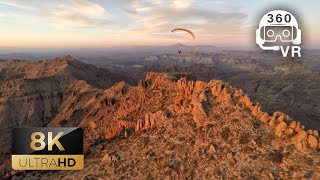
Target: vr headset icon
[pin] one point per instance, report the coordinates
(270, 31)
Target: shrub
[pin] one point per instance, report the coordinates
(276, 156)
(269, 137)
(256, 123)
(308, 174)
(174, 165)
(245, 138)
(225, 133)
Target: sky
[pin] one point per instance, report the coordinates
(110, 23)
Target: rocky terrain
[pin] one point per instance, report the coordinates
(171, 126)
(287, 85)
(31, 93)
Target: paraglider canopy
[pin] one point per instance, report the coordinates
(186, 30)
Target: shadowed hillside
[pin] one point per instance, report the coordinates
(31, 93)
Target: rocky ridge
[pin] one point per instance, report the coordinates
(31, 93)
(271, 80)
(180, 123)
(155, 126)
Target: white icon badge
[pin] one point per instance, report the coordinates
(278, 30)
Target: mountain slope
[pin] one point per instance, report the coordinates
(270, 80)
(31, 92)
(168, 127)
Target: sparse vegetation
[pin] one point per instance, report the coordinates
(192, 141)
(150, 153)
(217, 117)
(259, 140)
(248, 173)
(225, 133)
(245, 116)
(174, 165)
(308, 174)
(268, 137)
(209, 126)
(276, 156)
(235, 120)
(244, 138)
(275, 174)
(256, 123)
(192, 124)
(306, 160)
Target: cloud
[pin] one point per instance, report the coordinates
(79, 13)
(88, 8)
(17, 3)
(66, 14)
(182, 4)
(138, 20)
(67, 19)
(221, 4)
(3, 15)
(158, 18)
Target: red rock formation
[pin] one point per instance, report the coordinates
(151, 120)
(193, 92)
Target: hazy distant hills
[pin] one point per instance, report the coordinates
(184, 48)
(129, 52)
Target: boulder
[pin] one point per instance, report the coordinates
(312, 141)
(281, 127)
(246, 101)
(109, 158)
(272, 122)
(229, 156)
(298, 139)
(297, 129)
(309, 132)
(281, 118)
(293, 124)
(301, 136)
(265, 117)
(289, 131)
(212, 150)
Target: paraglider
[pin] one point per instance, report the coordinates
(186, 30)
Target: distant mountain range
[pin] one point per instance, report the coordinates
(116, 52)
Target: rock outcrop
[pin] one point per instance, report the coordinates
(193, 97)
(109, 158)
(151, 120)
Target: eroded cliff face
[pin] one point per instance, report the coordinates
(31, 93)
